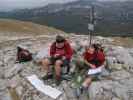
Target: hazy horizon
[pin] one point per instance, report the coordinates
(6, 5)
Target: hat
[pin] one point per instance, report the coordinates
(60, 39)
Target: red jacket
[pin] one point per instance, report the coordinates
(97, 58)
(65, 51)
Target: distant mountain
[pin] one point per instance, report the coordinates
(114, 18)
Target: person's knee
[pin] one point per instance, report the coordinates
(45, 61)
(58, 63)
(88, 80)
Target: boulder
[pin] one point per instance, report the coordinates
(122, 57)
(101, 90)
(120, 75)
(108, 89)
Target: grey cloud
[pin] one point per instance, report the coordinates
(12, 4)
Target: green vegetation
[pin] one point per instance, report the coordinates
(27, 28)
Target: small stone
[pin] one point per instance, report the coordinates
(2, 72)
(4, 95)
(19, 90)
(117, 66)
(116, 98)
(3, 84)
(35, 97)
(68, 91)
(14, 82)
(110, 62)
(1, 63)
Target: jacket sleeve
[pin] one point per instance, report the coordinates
(101, 58)
(52, 49)
(85, 55)
(69, 51)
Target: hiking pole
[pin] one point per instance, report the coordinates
(91, 24)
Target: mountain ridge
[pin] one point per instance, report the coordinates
(113, 18)
(28, 28)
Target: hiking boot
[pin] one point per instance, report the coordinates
(57, 80)
(47, 76)
(83, 90)
(84, 93)
(77, 92)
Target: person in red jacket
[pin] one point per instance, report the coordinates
(93, 58)
(60, 55)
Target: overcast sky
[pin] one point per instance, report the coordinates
(12, 4)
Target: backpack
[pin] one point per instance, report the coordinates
(23, 55)
(98, 47)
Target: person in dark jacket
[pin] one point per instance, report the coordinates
(60, 55)
(93, 58)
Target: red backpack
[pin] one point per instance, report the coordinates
(23, 55)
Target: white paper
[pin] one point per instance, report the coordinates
(39, 85)
(95, 71)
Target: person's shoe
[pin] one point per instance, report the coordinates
(47, 76)
(81, 89)
(77, 93)
(57, 80)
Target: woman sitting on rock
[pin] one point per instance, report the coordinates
(93, 58)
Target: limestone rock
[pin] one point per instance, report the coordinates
(98, 90)
(119, 85)
(19, 90)
(2, 72)
(9, 72)
(105, 90)
(4, 95)
(3, 84)
(115, 98)
(118, 75)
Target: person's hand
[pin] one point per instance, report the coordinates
(16, 61)
(63, 58)
(56, 55)
(92, 66)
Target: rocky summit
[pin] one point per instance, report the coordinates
(117, 85)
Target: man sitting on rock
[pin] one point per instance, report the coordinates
(60, 55)
(93, 58)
